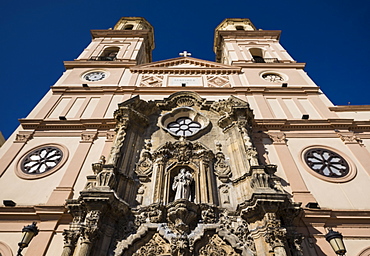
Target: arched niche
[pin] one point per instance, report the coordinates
(197, 159)
(174, 172)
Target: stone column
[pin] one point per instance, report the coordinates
(70, 240)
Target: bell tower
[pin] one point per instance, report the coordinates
(237, 41)
(180, 157)
(130, 41)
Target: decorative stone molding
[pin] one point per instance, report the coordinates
(182, 99)
(151, 81)
(156, 246)
(188, 65)
(110, 136)
(88, 137)
(217, 246)
(145, 165)
(350, 138)
(23, 137)
(232, 110)
(224, 189)
(222, 169)
(218, 81)
(184, 122)
(183, 215)
(278, 138)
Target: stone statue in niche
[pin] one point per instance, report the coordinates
(182, 184)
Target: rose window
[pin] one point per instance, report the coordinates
(41, 160)
(184, 126)
(326, 162)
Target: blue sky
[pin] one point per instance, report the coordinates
(332, 37)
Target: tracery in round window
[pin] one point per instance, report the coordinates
(184, 126)
(41, 160)
(326, 162)
(271, 77)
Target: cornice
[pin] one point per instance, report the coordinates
(198, 67)
(314, 124)
(27, 212)
(350, 108)
(98, 64)
(81, 124)
(245, 64)
(95, 33)
(327, 216)
(269, 34)
(170, 89)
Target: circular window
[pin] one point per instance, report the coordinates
(326, 162)
(271, 77)
(329, 165)
(184, 126)
(94, 76)
(184, 122)
(41, 161)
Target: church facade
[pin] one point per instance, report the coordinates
(242, 156)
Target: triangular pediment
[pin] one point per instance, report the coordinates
(185, 65)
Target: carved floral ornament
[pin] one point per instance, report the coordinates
(41, 161)
(328, 164)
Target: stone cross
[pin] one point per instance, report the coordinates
(185, 53)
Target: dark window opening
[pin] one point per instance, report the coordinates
(239, 27)
(128, 27)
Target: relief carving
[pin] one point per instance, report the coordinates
(349, 138)
(88, 137)
(232, 110)
(217, 246)
(218, 81)
(222, 169)
(151, 81)
(277, 137)
(145, 165)
(23, 137)
(156, 246)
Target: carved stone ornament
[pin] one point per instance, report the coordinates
(156, 246)
(134, 112)
(183, 214)
(218, 81)
(350, 138)
(88, 137)
(222, 169)
(182, 99)
(217, 246)
(277, 137)
(182, 151)
(232, 110)
(151, 81)
(145, 165)
(23, 137)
